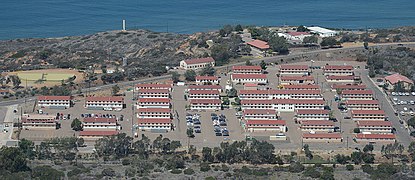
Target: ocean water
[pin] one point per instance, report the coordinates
(55, 18)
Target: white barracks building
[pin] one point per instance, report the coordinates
(197, 63)
(54, 101)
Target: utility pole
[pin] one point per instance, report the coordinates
(132, 115)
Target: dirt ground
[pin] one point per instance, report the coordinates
(79, 77)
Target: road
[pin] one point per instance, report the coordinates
(226, 67)
(401, 132)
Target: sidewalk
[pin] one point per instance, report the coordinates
(7, 126)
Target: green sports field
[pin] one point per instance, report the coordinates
(51, 76)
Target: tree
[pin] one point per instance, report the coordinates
(366, 45)
(349, 167)
(175, 77)
(115, 90)
(356, 157)
(367, 148)
(47, 172)
(226, 30)
(190, 75)
(311, 172)
(27, 147)
(76, 125)
(263, 65)
(411, 150)
(232, 93)
(12, 159)
(248, 63)
(329, 42)
(220, 52)
(238, 28)
(307, 151)
(207, 154)
(278, 44)
(356, 130)
(296, 167)
(342, 159)
(207, 71)
(16, 81)
(310, 40)
(301, 28)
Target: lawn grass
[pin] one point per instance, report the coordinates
(34, 76)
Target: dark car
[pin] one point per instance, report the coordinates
(198, 129)
(218, 134)
(196, 121)
(225, 132)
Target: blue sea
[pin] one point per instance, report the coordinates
(55, 18)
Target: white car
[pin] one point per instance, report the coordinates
(413, 93)
(412, 102)
(411, 113)
(400, 93)
(402, 113)
(395, 99)
(407, 94)
(405, 109)
(393, 93)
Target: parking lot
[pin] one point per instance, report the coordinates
(404, 104)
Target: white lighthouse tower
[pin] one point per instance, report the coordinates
(123, 25)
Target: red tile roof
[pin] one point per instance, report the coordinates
(200, 60)
(205, 87)
(260, 111)
(341, 77)
(395, 78)
(349, 86)
(259, 44)
(375, 136)
(301, 86)
(312, 111)
(374, 123)
(160, 100)
(212, 78)
(100, 120)
(109, 98)
(256, 102)
(215, 92)
(61, 98)
(323, 135)
(296, 78)
(318, 122)
(97, 133)
(150, 85)
(298, 33)
(337, 67)
(266, 122)
(294, 67)
(251, 85)
(308, 101)
(164, 91)
(258, 68)
(368, 112)
(357, 92)
(157, 110)
(249, 76)
(205, 101)
(154, 120)
(362, 102)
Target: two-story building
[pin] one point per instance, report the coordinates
(259, 114)
(205, 104)
(58, 102)
(375, 127)
(153, 103)
(359, 115)
(153, 86)
(99, 124)
(247, 69)
(357, 95)
(103, 103)
(323, 137)
(341, 87)
(153, 93)
(155, 124)
(156, 113)
(342, 79)
(204, 87)
(386, 138)
(266, 125)
(198, 63)
(249, 78)
(317, 126)
(312, 114)
(362, 104)
(301, 87)
(202, 80)
(338, 70)
(284, 80)
(294, 70)
(39, 122)
(203, 94)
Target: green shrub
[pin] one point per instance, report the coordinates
(204, 167)
(126, 161)
(210, 178)
(311, 172)
(188, 171)
(225, 168)
(176, 171)
(349, 167)
(367, 168)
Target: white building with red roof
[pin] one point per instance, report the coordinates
(338, 70)
(256, 114)
(342, 79)
(342, 87)
(283, 105)
(295, 36)
(301, 87)
(294, 70)
(394, 79)
(153, 86)
(322, 137)
(39, 122)
(99, 124)
(359, 115)
(153, 93)
(266, 125)
(317, 126)
(54, 101)
(387, 138)
(285, 80)
(257, 104)
(362, 104)
(312, 114)
(202, 80)
(357, 95)
(156, 113)
(375, 127)
(204, 87)
(155, 124)
(205, 104)
(95, 135)
(247, 69)
(249, 78)
(259, 45)
(197, 63)
(101, 103)
(153, 103)
(280, 94)
(203, 94)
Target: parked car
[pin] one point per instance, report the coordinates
(413, 93)
(225, 132)
(393, 93)
(405, 109)
(197, 129)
